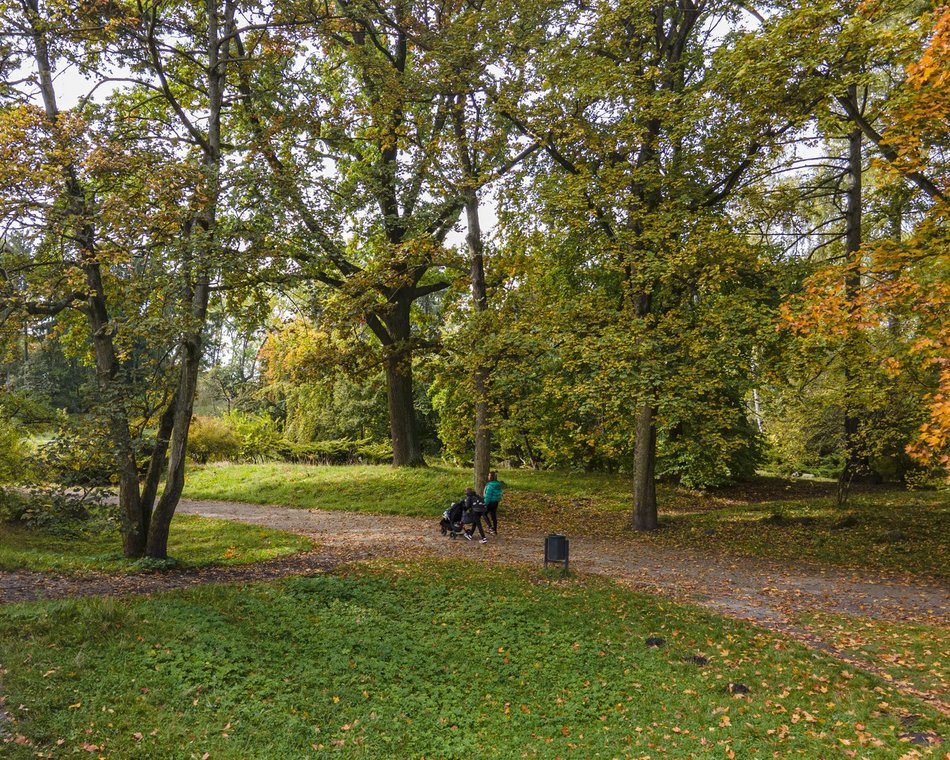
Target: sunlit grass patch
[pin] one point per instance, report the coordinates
(193, 542)
(384, 489)
(436, 659)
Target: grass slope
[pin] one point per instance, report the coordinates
(431, 659)
(380, 488)
(193, 542)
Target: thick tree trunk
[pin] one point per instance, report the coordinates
(482, 429)
(644, 469)
(480, 373)
(407, 450)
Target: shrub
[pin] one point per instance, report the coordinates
(212, 439)
(375, 453)
(78, 456)
(61, 510)
(258, 435)
(12, 452)
(338, 451)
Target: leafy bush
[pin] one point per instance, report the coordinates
(78, 456)
(260, 440)
(66, 511)
(12, 452)
(375, 453)
(212, 439)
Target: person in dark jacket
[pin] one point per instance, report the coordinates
(492, 497)
(474, 509)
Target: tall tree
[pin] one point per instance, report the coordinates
(653, 112)
(355, 137)
(122, 196)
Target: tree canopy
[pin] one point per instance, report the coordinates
(669, 237)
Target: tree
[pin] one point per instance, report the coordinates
(651, 130)
(122, 197)
(354, 138)
(858, 302)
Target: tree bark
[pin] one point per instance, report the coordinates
(480, 373)
(407, 450)
(853, 464)
(644, 469)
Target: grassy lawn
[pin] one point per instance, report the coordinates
(194, 542)
(432, 659)
(916, 654)
(380, 488)
(883, 530)
(772, 518)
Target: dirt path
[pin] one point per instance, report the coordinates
(751, 588)
(768, 593)
(745, 587)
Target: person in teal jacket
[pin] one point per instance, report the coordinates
(492, 497)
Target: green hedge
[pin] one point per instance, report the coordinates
(339, 451)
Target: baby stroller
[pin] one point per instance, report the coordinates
(451, 523)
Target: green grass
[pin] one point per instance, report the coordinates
(731, 521)
(916, 654)
(812, 530)
(432, 659)
(380, 488)
(193, 542)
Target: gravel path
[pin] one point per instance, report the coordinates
(741, 587)
(746, 587)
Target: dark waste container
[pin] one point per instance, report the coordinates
(556, 549)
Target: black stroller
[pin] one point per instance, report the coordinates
(451, 524)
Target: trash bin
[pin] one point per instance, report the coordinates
(556, 549)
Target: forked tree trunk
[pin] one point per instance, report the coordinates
(184, 403)
(644, 470)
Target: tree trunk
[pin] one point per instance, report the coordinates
(184, 404)
(854, 463)
(480, 374)
(197, 278)
(644, 468)
(407, 450)
(134, 519)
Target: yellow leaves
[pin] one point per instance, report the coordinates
(798, 715)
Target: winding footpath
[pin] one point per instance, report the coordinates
(770, 594)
